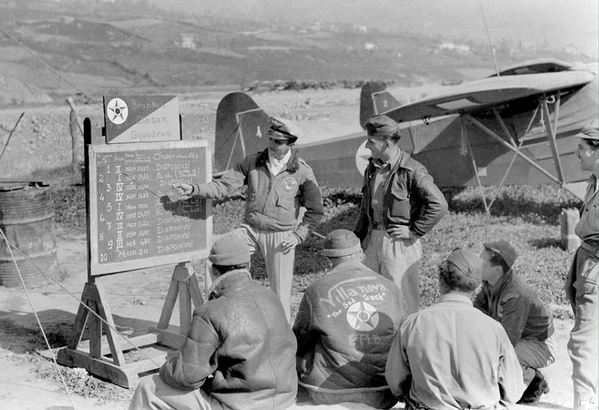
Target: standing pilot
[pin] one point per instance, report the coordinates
(581, 285)
(278, 183)
(400, 204)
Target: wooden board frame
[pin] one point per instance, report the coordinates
(94, 150)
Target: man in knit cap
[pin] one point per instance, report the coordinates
(400, 204)
(239, 352)
(451, 355)
(345, 325)
(279, 183)
(507, 298)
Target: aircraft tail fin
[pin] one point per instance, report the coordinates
(375, 99)
(241, 126)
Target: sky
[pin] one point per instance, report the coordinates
(558, 22)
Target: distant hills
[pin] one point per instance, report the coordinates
(58, 47)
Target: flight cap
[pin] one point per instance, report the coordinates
(381, 126)
(467, 262)
(590, 131)
(503, 249)
(284, 130)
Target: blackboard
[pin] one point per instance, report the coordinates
(135, 218)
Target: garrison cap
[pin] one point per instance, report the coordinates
(468, 263)
(590, 131)
(282, 129)
(381, 126)
(229, 250)
(340, 242)
(503, 249)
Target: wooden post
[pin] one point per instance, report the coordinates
(76, 142)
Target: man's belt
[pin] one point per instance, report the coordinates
(380, 226)
(591, 246)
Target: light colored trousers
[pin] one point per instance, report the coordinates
(154, 394)
(534, 354)
(279, 265)
(583, 346)
(399, 261)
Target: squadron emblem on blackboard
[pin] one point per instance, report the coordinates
(117, 111)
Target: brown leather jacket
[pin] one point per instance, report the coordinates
(240, 348)
(411, 199)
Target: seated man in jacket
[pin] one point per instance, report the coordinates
(239, 352)
(345, 325)
(529, 325)
(450, 355)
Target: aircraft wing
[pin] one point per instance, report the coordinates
(488, 92)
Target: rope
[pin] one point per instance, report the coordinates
(78, 300)
(10, 135)
(489, 38)
(505, 175)
(47, 66)
(39, 323)
(480, 186)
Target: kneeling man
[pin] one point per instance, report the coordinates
(239, 352)
(451, 355)
(345, 325)
(528, 323)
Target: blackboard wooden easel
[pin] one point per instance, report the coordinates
(133, 224)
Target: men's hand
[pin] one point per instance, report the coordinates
(183, 190)
(400, 232)
(289, 243)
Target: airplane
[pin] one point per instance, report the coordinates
(515, 127)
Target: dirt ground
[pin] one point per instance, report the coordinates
(137, 298)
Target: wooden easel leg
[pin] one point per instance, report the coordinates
(92, 297)
(184, 285)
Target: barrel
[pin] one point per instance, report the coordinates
(568, 220)
(26, 219)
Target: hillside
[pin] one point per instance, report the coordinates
(101, 47)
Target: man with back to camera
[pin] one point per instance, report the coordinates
(528, 323)
(400, 204)
(450, 355)
(344, 328)
(581, 283)
(278, 183)
(239, 353)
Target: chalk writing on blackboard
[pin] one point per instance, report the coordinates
(136, 220)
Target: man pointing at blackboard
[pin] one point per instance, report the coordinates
(278, 184)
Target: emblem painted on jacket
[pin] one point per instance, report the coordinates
(289, 184)
(362, 316)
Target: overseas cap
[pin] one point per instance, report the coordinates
(282, 129)
(590, 131)
(381, 126)
(468, 263)
(503, 249)
(340, 242)
(228, 251)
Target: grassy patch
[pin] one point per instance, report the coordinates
(527, 216)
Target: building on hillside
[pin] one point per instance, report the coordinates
(370, 47)
(188, 41)
(458, 48)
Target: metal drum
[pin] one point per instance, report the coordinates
(26, 219)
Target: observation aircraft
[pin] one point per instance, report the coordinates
(515, 127)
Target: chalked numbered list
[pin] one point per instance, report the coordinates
(139, 220)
